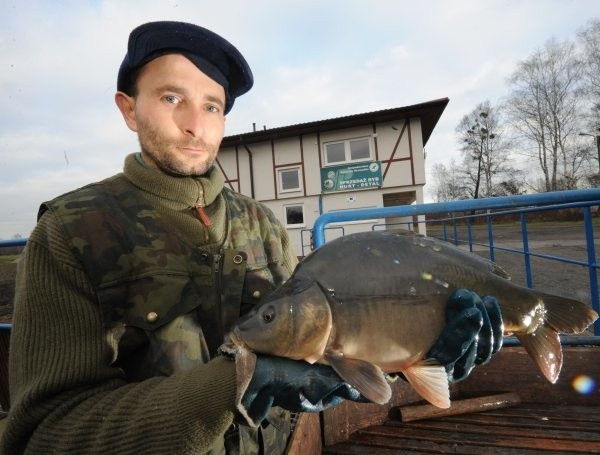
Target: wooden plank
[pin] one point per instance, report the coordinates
(526, 421)
(488, 439)
(512, 430)
(544, 411)
(417, 446)
(341, 421)
(580, 418)
(470, 405)
(488, 432)
(306, 438)
(369, 443)
(512, 370)
(532, 431)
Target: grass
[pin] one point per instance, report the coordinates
(8, 263)
(9, 259)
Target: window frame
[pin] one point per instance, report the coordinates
(347, 151)
(280, 188)
(285, 215)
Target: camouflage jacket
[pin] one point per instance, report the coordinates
(166, 303)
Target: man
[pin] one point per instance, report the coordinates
(128, 286)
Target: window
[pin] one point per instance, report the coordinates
(289, 179)
(348, 151)
(359, 150)
(294, 215)
(335, 152)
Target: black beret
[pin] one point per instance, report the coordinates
(212, 54)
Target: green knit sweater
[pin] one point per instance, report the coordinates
(66, 397)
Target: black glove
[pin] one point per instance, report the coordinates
(294, 385)
(472, 334)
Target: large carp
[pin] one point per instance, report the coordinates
(374, 302)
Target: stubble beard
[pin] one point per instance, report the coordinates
(162, 152)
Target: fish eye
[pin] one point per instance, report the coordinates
(268, 316)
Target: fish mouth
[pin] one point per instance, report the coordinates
(234, 337)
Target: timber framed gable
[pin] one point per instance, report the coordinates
(374, 159)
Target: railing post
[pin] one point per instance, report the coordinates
(490, 237)
(455, 232)
(591, 253)
(526, 254)
(470, 234)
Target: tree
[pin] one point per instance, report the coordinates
(485, 149)
(448, 183)
(543, 107)
(589, 39)
(509, 187)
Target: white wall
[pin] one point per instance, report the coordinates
(395, 138)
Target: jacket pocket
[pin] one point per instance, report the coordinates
(152, 300)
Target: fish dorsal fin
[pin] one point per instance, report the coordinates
(365, 377)
(405, 233)
(430, 380)
(497, 270)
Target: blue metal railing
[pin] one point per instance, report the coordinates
(408, 225)
(589, 236)
(583, 199)
(554, 197)
(308, 246)
(12, 242)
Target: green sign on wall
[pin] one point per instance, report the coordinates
(351, 176)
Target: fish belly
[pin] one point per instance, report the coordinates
(390, 332)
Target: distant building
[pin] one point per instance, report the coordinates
(374, 159)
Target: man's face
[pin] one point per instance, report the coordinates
(178, 115)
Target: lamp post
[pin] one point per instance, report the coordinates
(597, 138)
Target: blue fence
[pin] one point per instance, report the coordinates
(521, 205)
(465, 213)
(306, 238)
(13, 242)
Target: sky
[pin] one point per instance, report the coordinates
(312, 60)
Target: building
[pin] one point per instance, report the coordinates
(374, 159)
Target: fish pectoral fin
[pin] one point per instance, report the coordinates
(364, 376)
(430, 380)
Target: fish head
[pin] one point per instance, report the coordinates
(295, 322)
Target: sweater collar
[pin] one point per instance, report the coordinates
(188, 191)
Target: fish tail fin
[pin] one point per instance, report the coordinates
(562, 315)
(430, 380)
(543, 346)
(566, 315)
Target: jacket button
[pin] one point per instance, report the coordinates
(238, 259)
(256, 294)
(151, 317)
